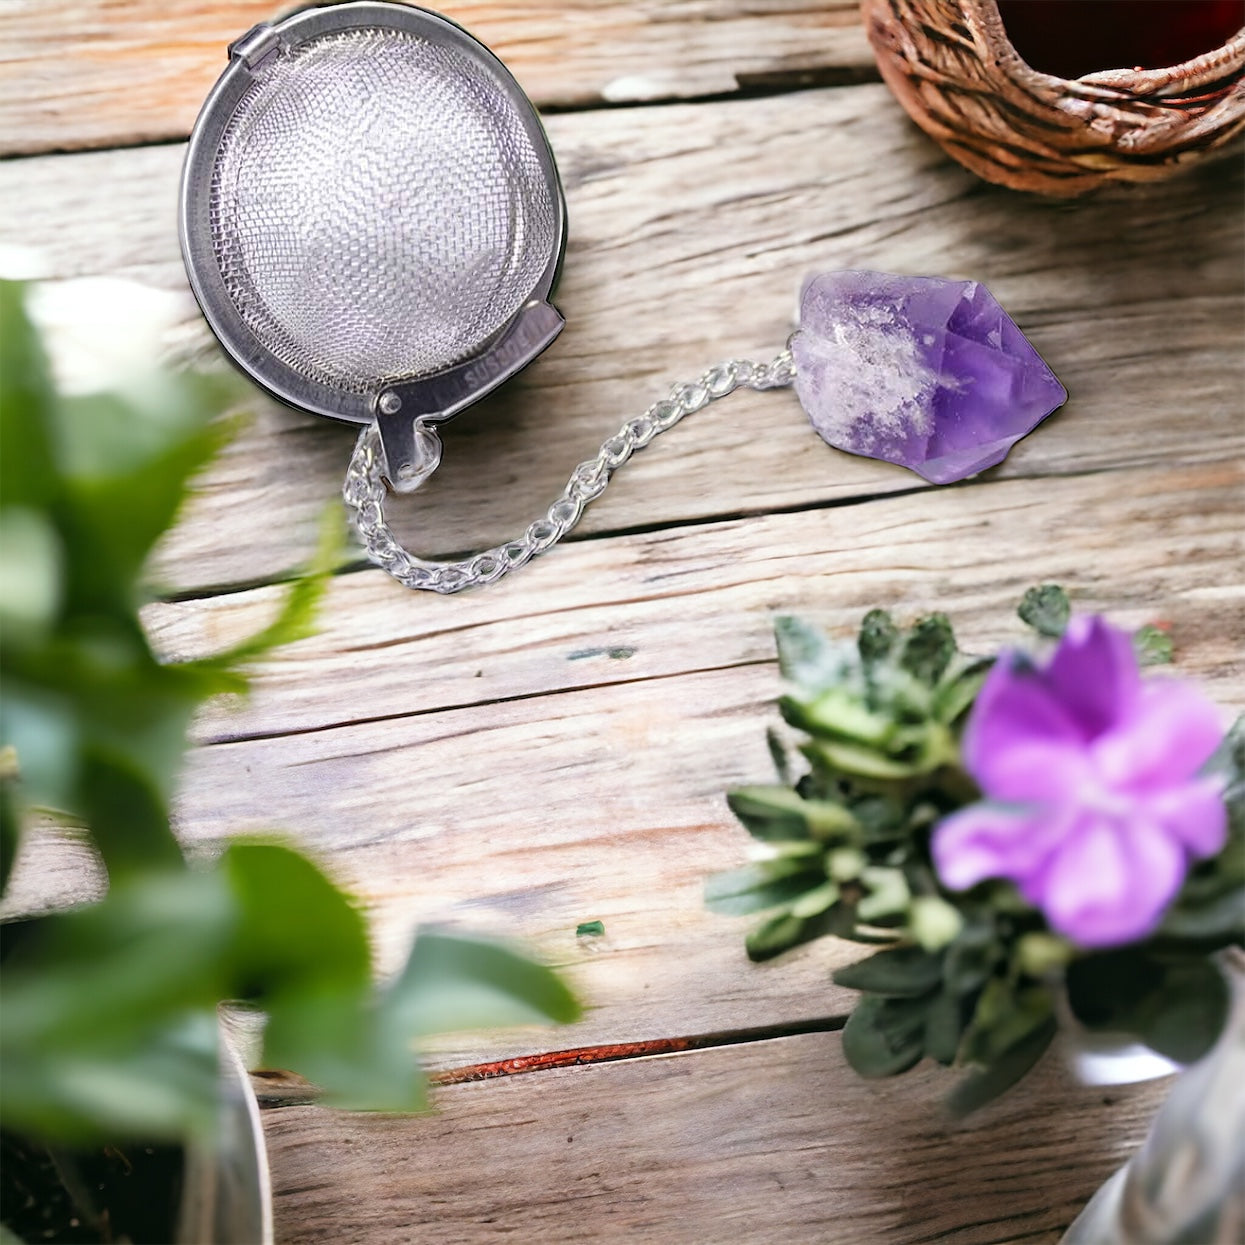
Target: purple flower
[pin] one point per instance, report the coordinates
(1094, 806)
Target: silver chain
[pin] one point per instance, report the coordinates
(365, 489)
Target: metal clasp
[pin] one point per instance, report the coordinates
(412, 450)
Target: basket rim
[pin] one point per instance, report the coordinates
(1169, 82)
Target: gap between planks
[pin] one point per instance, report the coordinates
(1135, 301)
(764, 1143)
(275, 1088)
(137, 70)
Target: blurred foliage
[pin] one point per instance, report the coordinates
(971, 979)
(108, 1012)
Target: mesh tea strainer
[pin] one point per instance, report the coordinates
(372, 222)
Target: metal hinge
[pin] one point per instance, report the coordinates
(256, 46)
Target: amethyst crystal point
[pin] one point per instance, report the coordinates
(921, 371)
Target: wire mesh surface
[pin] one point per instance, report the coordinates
(378, 208)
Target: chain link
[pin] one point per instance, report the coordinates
(364, 491)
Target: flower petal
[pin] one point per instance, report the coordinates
(1020, 744)
(1195, 814)
(989, 841)
(1111, 881)
(1094, 674)
(1170, 734)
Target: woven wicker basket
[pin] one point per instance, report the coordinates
(953, 67)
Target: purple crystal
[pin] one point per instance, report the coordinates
(924, 372)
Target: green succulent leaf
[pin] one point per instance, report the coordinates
(885, 1036)
(1152, 645)
(779, 755)
(1175, 1005)
(783, 932)
(856, 761)
(903, 972)
(778, 814)
(958, 688)
(838, 714)
(878, 637)
(813, 661)
(766, 884)
(982, 1087)
(1046, 609)
(972, 958)
(944, 1027)
(928, 649)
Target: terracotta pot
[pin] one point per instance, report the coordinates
(955, 66)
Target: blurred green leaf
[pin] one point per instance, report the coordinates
(902, 972)
(342, 1041)
(1210, 912)
(296, 617)
(296, 931)
(1005, 1013)
(27, 474)
(10, 831)
(128, 818)
(778, 754)
(158, 1082)
(1193, 1011)
(155, 946)
(861, 762)
(1176, 1005)
(1046, 609)
(126, 478)
(108, 1018)
(972, 958)
(457, 981)
(30, 571)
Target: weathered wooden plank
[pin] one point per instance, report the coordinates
(76, 74)
(576, 784)
(1141, 544)
(767, 1143)
(691, 227)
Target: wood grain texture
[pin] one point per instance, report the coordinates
(691, 228)
(761, 1144)
(558, 750)
(76, 74)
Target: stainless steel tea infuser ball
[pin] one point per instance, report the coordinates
(372, 222)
